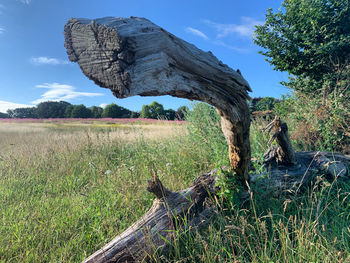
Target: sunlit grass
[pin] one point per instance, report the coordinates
(66, 191)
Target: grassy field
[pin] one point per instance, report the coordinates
(66, 189)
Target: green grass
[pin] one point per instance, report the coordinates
(64, 193)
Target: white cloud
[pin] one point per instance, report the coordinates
(6, 105)
(223, 44)
(58, 92)
(103, 105)
(2, 30)
(196, 32)
(244, 29)
(47, 61)
(2, 7)
(27, 2)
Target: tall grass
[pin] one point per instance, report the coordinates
(66, 191)
(309, 226)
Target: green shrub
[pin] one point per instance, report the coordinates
(314, 124)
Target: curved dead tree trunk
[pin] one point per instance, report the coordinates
(136, 57)
(133, 56)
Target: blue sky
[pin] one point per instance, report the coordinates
(34, 66)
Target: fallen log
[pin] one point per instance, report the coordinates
(170, 212)
(287, 171)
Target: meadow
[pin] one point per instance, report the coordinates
(67, 188)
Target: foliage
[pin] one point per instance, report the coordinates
(284, 108)
(169, 114)
(204, 130)
(52, 109)
(68, 111)
(263, 104)
(96, 112)
(114, 111)
(315, 126)
(62, 109)
(4, 115)
(306, 37)
(135, 115)
(310, 39)
(24, 113)
(80, 111)
(154, 110)
(181, 113)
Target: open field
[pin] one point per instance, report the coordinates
(67, 189)
(61, 185)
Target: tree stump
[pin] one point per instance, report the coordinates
(284, 152)
(287, 171)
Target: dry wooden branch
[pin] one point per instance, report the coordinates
(283, 153)
(169, 212)
(133, 56)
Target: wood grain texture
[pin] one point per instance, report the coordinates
(133, 56)
(283, 153)
(279, 178)
(167, 214)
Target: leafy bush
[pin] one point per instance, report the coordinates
(314, 125)
(263, 104)
(300, 39)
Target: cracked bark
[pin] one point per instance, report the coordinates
(133, 56)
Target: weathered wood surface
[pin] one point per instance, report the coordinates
(283, 153)
(279, 178)
(287, 171)
(169, 210)
(133, 56)
(141, 240)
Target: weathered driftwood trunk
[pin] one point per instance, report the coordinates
(287, 171)
(133, 56)
(171, 211)
(283, 153)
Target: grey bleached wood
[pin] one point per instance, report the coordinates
(168, 213)
(283, 153)
(279, 178)
(132, 56)
(288, 171)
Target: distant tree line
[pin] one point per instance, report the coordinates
(155, 110)
(263, 104)
(62, 109)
